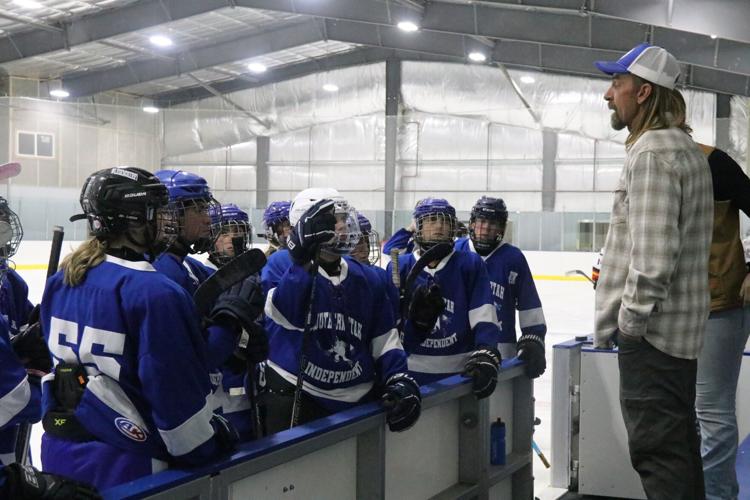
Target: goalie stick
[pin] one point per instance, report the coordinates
(234, 271)
(23, 437)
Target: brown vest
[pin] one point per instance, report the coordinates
(726, 266)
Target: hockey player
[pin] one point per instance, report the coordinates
(233, 232)
(130, 390)
(512, 284)
(464, 339)
(276, 224)
(367, 252)
(352, 343)
(31, 350)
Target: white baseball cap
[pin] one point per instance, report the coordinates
(650, 62)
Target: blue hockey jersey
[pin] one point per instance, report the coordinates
(189, 273)
(138, 336)
(275, 267)
(14, 301)
(19, 400)
(402, 240)
(469, 319)
(353, 341)
(512, 289)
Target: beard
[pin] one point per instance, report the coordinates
(615, 121)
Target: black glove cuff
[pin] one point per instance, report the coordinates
(404, 378)
(528, 338)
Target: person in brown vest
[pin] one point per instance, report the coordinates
(726, 329)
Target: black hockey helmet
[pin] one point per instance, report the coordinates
(11, 231)
(491, 210)
(114, 198)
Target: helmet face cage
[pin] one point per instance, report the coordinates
(373, 241)
(195, 216)
(166, 222)
(233, 238)
(11, 231)
(434, 228)
(347, 230)
(275, 219)
(491, 211)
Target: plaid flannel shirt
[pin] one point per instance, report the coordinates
(654, 275)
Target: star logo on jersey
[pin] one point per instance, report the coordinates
(130, 429)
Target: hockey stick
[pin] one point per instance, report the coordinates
(9, 170)
(436, 253)
(575, 272)
(305, 340)
(23, 438)
(231, 273)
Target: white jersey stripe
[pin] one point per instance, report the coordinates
(384, 343)
(190, 434)
(438, 364)
(486, 313)
(531, 317)
(14, 401)
(275, 315)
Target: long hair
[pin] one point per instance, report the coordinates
(89, 254)
(664, 108)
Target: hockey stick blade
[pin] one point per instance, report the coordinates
(9, 170)
(574, 272)
(228, 275)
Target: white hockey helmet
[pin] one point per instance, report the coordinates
(348, 232)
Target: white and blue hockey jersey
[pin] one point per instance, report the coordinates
(19, 400)
(137, 334)
(14, 301)
(512, 289)
(353, 342)
(402, 240)
(469, 319)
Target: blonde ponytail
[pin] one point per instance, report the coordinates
(89, 254)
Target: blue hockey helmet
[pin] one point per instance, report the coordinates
(367, 250)
(274, 216)
(188, 190)
(494, 211)
(233, 232)
(435, 221)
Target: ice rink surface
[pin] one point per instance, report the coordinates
(568, 308)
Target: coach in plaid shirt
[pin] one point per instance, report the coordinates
(652, 297)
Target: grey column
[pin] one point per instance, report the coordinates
(4, 117)
(549, 177)
(263, 148)
(722, 122)
(392, 103)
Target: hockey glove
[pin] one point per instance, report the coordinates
(24, 481)
(531, 350)
(316, 226)
(426, 306)
(482, 367)
(226, 435)
(402, 401)
(239, 306)
(31, 349)
(251, 349)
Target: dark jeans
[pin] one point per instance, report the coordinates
(657, 398)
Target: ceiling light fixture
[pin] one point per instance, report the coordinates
(150, 109)
(714, 37)
(61, 93)
(257, 67)
(477, 56)
(161, 41)
(527, 79)
(331, 87)
(408, 26)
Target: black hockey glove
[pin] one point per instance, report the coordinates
(403, 402)
(240, 306)
(316, 226)
(482, 367)
(252, 349)
(31, 348)
(531, 350)
(30, 484)
(226, 435)
(426, 306)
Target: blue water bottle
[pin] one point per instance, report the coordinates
(497, 443)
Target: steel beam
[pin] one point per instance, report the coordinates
(286, 37)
